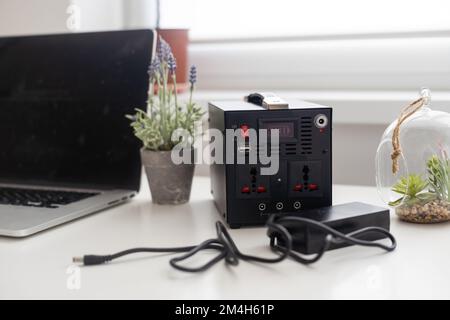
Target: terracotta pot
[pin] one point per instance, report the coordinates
(178, 39)
(169, 183)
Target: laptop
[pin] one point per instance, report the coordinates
(66, 148)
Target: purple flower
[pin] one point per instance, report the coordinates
(154, 68)
(163, 50)
(172, 64)
(193, 75)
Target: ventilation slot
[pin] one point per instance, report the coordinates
(306, 135)
(290, 149)
(263, 150)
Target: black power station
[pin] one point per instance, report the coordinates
(245, 196)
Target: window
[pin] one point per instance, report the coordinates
(237, 19)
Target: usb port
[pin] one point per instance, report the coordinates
(244, 148)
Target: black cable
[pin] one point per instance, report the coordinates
(281, 243)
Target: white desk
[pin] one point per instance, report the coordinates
(37, 267)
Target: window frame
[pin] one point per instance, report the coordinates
(404, 61)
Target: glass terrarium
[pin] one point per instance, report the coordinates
(412, 163)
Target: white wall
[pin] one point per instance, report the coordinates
(32, 16)
(19, 17)
(99, 15)
(354, 149)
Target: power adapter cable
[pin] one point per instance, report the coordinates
(281, 243)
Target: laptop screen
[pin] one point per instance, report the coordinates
(63, 101)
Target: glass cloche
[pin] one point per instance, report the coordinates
(412, 163)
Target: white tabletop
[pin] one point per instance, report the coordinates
(40, 266)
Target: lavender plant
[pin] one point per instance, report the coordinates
(164, 114)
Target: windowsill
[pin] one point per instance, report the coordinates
(350, 107)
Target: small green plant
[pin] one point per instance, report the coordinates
(412, 188)
(416, 189)
(439, 177)
(164, 114)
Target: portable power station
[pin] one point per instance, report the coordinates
(243, 195)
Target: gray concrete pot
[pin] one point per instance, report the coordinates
(169, 183)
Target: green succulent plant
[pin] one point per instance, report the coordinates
(415, 189)
(439, 177)
(410, 185)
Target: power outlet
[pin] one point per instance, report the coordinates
(250, 183)
(305, 178)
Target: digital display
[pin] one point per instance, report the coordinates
(286, 128)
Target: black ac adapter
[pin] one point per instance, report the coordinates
(345, 218)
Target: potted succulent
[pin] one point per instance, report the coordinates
(169, 183)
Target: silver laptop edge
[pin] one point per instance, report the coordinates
(22, 221)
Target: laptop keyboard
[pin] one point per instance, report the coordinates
(40, 198)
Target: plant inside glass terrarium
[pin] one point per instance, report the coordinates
(413, 165)
(425, 199)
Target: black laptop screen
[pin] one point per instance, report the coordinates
(63, 100)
